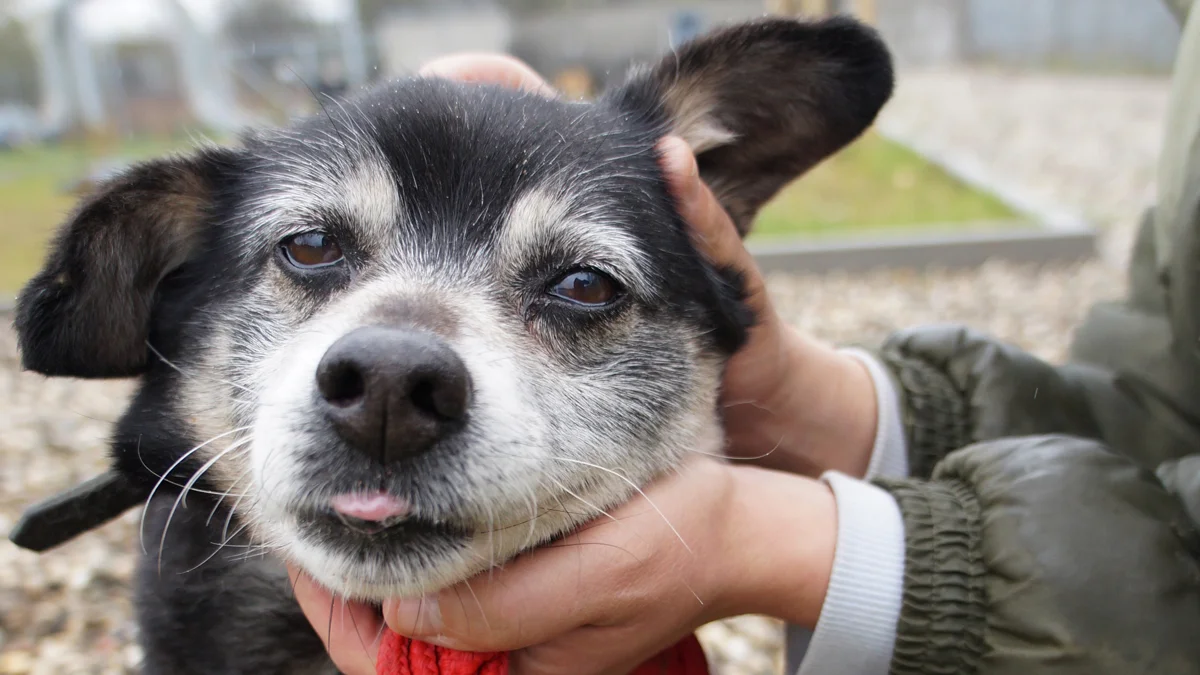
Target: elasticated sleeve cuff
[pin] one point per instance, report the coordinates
(935, 415)
(943, 614)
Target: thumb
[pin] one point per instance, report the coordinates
(605, 651)
(532, 600)
(500, 69)
(713, 231)
(350, 631)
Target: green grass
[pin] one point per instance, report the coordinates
(30, 206)
(875, 185)
(35, 195)
(872, 185)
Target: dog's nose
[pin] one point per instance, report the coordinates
(391, 392)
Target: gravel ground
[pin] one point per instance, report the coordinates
(1084, 143)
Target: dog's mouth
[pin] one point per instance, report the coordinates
(376, 516)
(370, 527)
(330, 522)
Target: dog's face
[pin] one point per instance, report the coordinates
(439, 324)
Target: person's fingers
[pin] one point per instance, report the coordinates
(350, 631)
(535, 598)
(587, 651)
(498, 69)
(603, 573)
(713, 230)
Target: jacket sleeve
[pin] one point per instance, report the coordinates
(1045, 554)
(957, 386)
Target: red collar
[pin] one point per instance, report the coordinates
(399, 655)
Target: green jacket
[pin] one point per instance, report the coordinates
(1053, 511)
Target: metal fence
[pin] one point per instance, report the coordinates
(1109, 34)
(1122, 35)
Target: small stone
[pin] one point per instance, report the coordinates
(80, 578)
(48, 620)
(16, 663)
(132, 656)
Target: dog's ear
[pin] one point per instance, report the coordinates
(762, 102)
(87, 312)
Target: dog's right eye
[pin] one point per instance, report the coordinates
(310, 250)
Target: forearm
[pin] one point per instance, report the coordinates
(856, 630)
(823, 417)
(780, 552)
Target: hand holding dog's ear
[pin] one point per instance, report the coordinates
(790, 401)
(762, 102)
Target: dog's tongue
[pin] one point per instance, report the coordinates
(372, 507)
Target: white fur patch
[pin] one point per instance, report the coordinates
(364, 191)
(691, 108)
(542, 215)
(369, 196)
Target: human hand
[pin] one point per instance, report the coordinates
(789, 401)
(610, 595)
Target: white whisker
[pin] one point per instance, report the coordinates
(142, 523)
(180, 371)
(162, 542)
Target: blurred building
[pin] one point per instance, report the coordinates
(407, 36)
(154, 65)
(149, 73)
(603, 38)
(1121, 35)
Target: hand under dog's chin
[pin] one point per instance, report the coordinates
(416, 559)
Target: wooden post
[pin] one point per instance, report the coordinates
(867, 11)
(815, 7)
(784, 7)
(795, 7)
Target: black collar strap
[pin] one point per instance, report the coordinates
(69, 514)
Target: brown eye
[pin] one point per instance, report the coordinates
(311, 249)
(586, 287)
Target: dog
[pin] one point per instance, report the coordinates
(428, 328)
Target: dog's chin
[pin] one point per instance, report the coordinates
(372, 562)
(409, 559)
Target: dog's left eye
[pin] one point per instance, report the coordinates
(311, 249)
(586, 287)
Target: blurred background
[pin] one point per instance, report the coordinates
(1061, 100)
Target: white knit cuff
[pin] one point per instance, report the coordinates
(856, 631)
(889, 456)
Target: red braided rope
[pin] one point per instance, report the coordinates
(399, 655)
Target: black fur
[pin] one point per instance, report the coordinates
(791, 94)
(167, 252)
(86, 313)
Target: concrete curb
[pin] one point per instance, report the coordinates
(1058, 236)
(926, 251)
